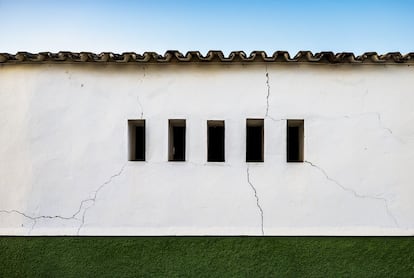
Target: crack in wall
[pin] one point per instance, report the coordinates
(383, 126)
(378, 116)
(257, 199)
(141, 108)
(267, 116)
(35, 218)
(354, 193)
(380, 123)
(276, 120)
(93, 199)
(268, 93)
(141, 111)
(73, 217)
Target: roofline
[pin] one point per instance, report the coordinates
(213, 56)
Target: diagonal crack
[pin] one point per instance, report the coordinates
(356, 194)
(93, 199)
(73, 216)
(257, 199)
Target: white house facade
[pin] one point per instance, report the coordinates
(315, 144)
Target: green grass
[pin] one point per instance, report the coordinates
(206, 256)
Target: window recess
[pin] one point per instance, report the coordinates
(136, 135)
(215, 141)
(254, 140)
(295, 140)
(176, 140)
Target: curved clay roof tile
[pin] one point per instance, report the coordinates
(213, 56)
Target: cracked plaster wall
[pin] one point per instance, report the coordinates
(63, 150)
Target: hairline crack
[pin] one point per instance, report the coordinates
(354, 193)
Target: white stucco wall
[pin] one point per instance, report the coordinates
(64, 165)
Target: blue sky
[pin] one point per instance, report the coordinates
(159, 25)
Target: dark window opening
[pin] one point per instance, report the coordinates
(215, 141)
(254, 140)
(295, 140)
(136, 130)
(176, 140)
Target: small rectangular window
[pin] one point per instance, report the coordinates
(254, 140)
(295, 140)
(136, 131)
(176, 140)
(215, 141)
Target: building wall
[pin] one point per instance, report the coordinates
(64, 165)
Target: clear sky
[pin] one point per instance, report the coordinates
(160, 25)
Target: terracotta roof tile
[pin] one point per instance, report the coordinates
(213, 56)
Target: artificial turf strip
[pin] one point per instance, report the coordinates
(207, 256)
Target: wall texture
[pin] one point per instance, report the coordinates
(64, 166)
